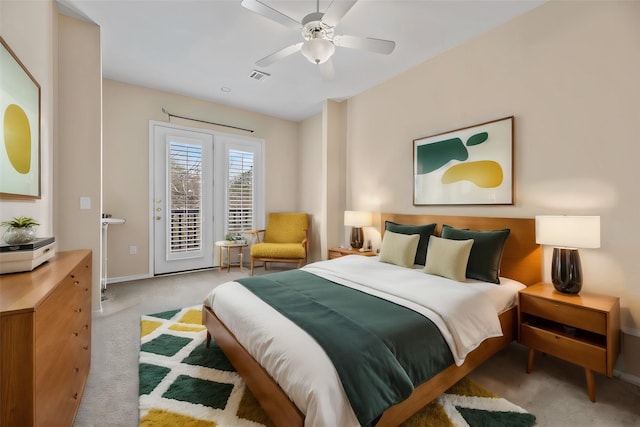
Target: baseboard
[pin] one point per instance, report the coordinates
(128, 278)
(631, 331)
(627, 377)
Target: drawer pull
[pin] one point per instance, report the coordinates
(85, 347)
(73, 276)
(77, 282)
(75, 396)
(75, 334)
(76, 370)
(79, 310)
(86, 326)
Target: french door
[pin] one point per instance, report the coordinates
(182, 164)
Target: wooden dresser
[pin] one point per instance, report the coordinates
(45, 341)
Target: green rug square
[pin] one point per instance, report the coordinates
(198, 391)
(166, 315)
(482, 418)
(211, 357)
(150, 377)
(165, 345)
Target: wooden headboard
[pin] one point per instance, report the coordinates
(522, 256)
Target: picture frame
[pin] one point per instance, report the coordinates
(467, 166)
(19, 128)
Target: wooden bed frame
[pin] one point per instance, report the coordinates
(521, 261)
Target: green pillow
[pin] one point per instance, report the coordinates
(424, 231)
(448, 258)
(399, 249)
(486, 252)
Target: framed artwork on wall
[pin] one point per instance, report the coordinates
(19, 129)
(467, 166)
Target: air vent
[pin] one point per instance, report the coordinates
(258, 75)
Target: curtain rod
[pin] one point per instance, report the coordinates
(204, 121)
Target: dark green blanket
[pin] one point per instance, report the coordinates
(380, 350)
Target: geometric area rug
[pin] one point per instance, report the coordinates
(182, 383)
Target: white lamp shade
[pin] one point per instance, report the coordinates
(318, 51)
(568, 231)
(357, 218)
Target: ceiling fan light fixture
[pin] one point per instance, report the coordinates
(318, 51)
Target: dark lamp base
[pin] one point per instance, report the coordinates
(566, 271)
(357, 237)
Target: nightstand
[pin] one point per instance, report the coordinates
(339, 252)
(583, 329)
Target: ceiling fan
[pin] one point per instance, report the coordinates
(320, 41)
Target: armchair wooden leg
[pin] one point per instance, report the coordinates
(251, 266)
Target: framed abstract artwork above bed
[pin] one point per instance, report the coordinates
(468, 166)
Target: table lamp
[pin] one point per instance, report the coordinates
(357, 220)
(566, 234)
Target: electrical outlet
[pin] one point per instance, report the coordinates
(133, 250)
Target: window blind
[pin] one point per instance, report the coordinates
(240, 191)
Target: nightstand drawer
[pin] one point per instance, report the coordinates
(579, 317)
(588, 355)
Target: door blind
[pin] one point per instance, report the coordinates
(185, 227)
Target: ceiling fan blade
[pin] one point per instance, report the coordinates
(326, 69)
(276, 56)
(271, 13)
(373, 45)
(336, 10)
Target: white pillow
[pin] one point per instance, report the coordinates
(399, 249)
(448, 258)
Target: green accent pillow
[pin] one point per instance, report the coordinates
(399, 249)
(448, 258)
(486, 252)
(424, 231)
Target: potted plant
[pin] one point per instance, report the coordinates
(19, 230)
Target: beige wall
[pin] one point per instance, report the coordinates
(127, 111)
(568, 72)
(310, 187)
(63, 55)
(334, 177)
(29, 30)
(322, 176)
(78, 152)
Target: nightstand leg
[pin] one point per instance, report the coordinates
(590, 384)
(532, 352)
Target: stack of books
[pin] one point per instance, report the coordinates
(26, 256)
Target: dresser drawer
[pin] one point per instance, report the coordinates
(589, 355)
(578, 317)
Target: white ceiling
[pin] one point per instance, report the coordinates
(195, 48)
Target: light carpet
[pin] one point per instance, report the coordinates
(182, 383)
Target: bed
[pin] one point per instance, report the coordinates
(521, 261)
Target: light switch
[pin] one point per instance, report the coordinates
(85, 202)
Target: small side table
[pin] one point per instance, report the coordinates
(224, 244)
(583, 329)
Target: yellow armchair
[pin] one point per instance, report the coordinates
(286, 239)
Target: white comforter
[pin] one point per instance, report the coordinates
(463, 312)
